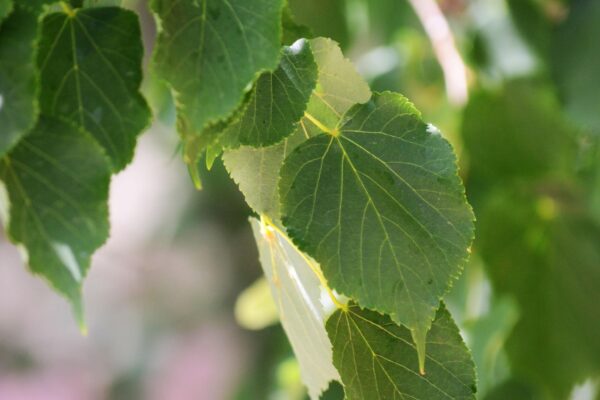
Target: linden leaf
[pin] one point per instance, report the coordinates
(378, 203)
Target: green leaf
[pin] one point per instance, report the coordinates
(6, 7)
(210, 51)
(56, 181)
(18, 81)
(575, 62)
(339, 86)
(378, 203)
(90, 65)
(256, 170)
(292, 31)
(542, 247)
(377, 359)
(297, 293)
(278, 100)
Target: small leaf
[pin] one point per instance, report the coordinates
(210, 51)
(378, 203)
(18, 81)
(90, 65)
(297, 293)
(377, 359)
(256, 170)
(56, 181)
(278, 100)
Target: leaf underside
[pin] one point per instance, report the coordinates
(297, 292)
(377, 359)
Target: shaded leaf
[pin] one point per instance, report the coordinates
(297, 293)
(90, 65)
(210, 51)
(377, 359)
(18, 80)
(278, 100)
(5, 8)
(378, 203)
(56, 181)
(517, 132)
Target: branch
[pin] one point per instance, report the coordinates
(437, 29)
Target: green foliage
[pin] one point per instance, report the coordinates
(78, 55)
(377, 359)
(210, 51)
(58, 204)
(378, 203)
(364, 224)
(18, 80)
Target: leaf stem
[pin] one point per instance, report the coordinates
(321, 126)
(67, 9)
(265, 220)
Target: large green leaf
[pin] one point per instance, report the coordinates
(18, 94)
(297, 293)
(56, 182)
(377, 359)
(211, 50)
(541, 247)
(339, 86)
(278, 100)
(90, 63)
(378, 203)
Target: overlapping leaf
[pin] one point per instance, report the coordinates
(377, 359)
(575, 62)
(378, 203)
(339, 86)
(90, 65)
(278, 100)
(56, 181)
(211, 50)
(297, 293)
(18, 93)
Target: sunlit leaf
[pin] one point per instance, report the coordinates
(378, 203)
(377, 359)
(90, 65)
(297, 293)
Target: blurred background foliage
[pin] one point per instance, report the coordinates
(175, 304)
